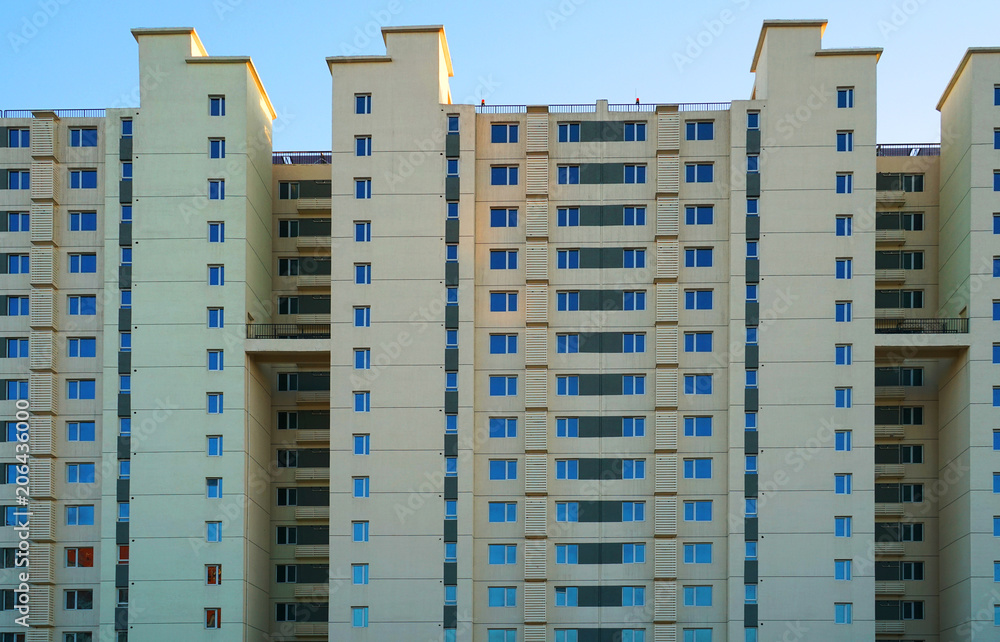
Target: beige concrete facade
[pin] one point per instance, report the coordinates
(632, 372)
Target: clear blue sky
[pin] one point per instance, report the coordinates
(516, 51)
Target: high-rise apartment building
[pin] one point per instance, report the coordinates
(575, 373)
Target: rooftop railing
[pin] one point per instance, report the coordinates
(501, 109)
(288, 331)
(922, 326)
(908, 149)
(703, 106)
(301, 158)
(61, 113)
(590, 109)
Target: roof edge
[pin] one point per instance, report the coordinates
(425, 29)
(246, 60)
(852, 51)
(961, 68)
(170, 31)
(767, 24)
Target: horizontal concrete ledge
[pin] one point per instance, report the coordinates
(929, 344)
(282, 349)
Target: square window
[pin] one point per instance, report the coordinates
(21, 179)
(697, 595)
(699, 172)
(80, 515)
(503, 386)
(698, 384)
(503, 217)
(842, 570)
(698, 257)
(634, 216)
(359, 574)
(569, 132)
(843, 354)
(502, 553)
(362, 188)
(567, 301)
(635, 174)
(83, 221)
(698, 299)
(633, 426)
(503, 259)
(502, 596)
(699, 214)
(697, 426)
(698, 511)
(502, 511)
(568, 216)
(503, 175)
(503, 301)
(18, 138)
(567, 259)
(698, 468)
(83, 137)
(362, 402)
(567, 427)
(633, 384)
(568, 175)
(18, 222)
(503, 133)
(699, 130)
(697, 553)
(843, 613)
(502, 427)
(504, 343)
(288, 190)
(635, 132)
(77, 347)
(842, 440)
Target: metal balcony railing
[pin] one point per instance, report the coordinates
(61, 113)
(301, 158)
(921, 326)
(908, 149)
(288, 331)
